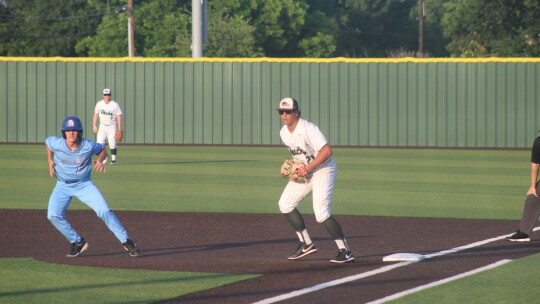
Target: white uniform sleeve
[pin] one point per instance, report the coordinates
(118, 110)
(315, 138)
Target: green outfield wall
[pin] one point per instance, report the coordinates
(489, 102)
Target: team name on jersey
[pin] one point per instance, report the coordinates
(299, 151)
(106, 113)
(77, 162)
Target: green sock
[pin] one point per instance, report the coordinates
(333, 227)
(295, 219)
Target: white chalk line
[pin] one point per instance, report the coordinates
(440, 282)
(363, 275)
(299, 292)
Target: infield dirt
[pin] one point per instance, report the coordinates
(260, 244)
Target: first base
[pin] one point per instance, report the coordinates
(403, 257)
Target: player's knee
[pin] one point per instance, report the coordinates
(54, 217)
(321, 216)
(285, 208)
(103, 212)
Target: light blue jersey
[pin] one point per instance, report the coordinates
(73, 170)
(73, 165)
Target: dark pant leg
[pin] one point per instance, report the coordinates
(531, 212)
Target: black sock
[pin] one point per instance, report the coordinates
(295, 219)
(333, 227)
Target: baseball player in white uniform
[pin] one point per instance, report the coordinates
(110, 123)
(309, 146)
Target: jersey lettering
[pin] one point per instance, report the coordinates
(77, 162)
(80, 168)
(103, 112)
(299, 151)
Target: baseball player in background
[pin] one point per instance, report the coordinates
(110, 123)
(531, 209)
(309, 146)
(70, 161)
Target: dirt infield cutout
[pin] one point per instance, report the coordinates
(260, 244)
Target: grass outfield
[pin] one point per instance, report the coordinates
(480, 184)
(387, 182)
(29, 281)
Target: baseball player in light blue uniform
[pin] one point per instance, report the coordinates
(70, 161)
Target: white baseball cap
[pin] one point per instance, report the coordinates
(288, 104)
(107, 92)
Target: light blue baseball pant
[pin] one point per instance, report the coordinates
(89, 194)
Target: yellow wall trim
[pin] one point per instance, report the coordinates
(265, 59)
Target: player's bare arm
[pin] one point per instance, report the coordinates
(534, 179)
(95, 122)
(119, 133)
(98, 163)
(50, 158)
(324, 154)
(119, 122)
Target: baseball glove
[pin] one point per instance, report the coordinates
(119, 136)
(289, 170)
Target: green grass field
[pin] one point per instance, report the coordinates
(480, 184)
(29, 281)
(388, 182)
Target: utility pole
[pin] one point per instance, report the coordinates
(197, 28)
(420, 28)
(131, 31)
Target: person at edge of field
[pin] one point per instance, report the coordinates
(70, 161)
(531, 209)
(309, 146)
(110, 123)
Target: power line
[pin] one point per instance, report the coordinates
(60, 36)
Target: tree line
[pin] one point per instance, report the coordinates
(273, 28)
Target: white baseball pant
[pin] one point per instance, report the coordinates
(321, 185)
(107, 133)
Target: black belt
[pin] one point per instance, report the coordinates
(72, 182)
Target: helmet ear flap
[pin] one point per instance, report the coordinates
(64, 134)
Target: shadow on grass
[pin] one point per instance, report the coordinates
(109, 285)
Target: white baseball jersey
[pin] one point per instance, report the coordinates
(304, 144)
(107, 112)
(107, 122)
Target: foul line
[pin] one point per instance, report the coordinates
(440, 282)
(374, 272)
(296, 293)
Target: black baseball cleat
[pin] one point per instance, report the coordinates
(77, 248)
(343, 256)
(302, 250)
(113, 162)
(519, 237)
(132, 248)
